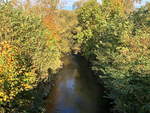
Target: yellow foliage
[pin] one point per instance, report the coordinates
(13, 78)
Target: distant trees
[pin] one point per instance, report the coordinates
(79, 4)
(52, 4)
(116, 41)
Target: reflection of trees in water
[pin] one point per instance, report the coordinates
(75, 92)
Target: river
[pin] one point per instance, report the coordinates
(76, 90)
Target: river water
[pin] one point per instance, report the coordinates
(76, 90)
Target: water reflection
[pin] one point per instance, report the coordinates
(75, 91)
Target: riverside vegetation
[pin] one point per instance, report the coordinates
(114, 36)
(29, 46)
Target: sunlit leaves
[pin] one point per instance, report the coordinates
(14, 76)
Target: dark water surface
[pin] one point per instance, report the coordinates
(76, 90)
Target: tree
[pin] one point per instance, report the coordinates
(27, 50)
(116, 41)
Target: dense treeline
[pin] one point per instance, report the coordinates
(30, 45)
(115, 37)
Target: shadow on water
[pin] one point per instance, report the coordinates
(76, 90)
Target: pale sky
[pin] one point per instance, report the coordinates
(142, 3)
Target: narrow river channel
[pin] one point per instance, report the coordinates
(76, 90)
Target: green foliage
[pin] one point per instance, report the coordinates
(88, 18)
(117, 43)
(27, 32)
(27, 50)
